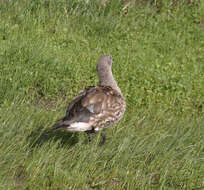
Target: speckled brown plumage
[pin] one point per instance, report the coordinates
(96, 107)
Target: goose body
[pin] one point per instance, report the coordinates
(96, 107)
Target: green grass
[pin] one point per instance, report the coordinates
(48, 53)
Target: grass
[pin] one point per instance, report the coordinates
(48, 53)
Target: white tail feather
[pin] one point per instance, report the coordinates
(79, 126)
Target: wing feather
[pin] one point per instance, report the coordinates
(91, 101)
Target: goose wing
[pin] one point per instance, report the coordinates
(89, 103)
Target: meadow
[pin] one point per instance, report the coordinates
(48, 53)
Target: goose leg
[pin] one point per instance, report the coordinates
(90, 134)
(103, 139)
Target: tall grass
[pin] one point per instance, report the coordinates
(48, 53)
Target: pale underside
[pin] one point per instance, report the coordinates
(79, 126)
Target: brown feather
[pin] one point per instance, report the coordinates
(96, 107)
(96, 104)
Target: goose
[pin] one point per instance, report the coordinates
(96, 107)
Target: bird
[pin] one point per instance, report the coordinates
(96, 107)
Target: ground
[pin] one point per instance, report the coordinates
(48, 53)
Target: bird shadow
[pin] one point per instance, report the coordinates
(39, 137)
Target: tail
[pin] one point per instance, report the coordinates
(60, 125)
(55, 128)
(72, 125)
